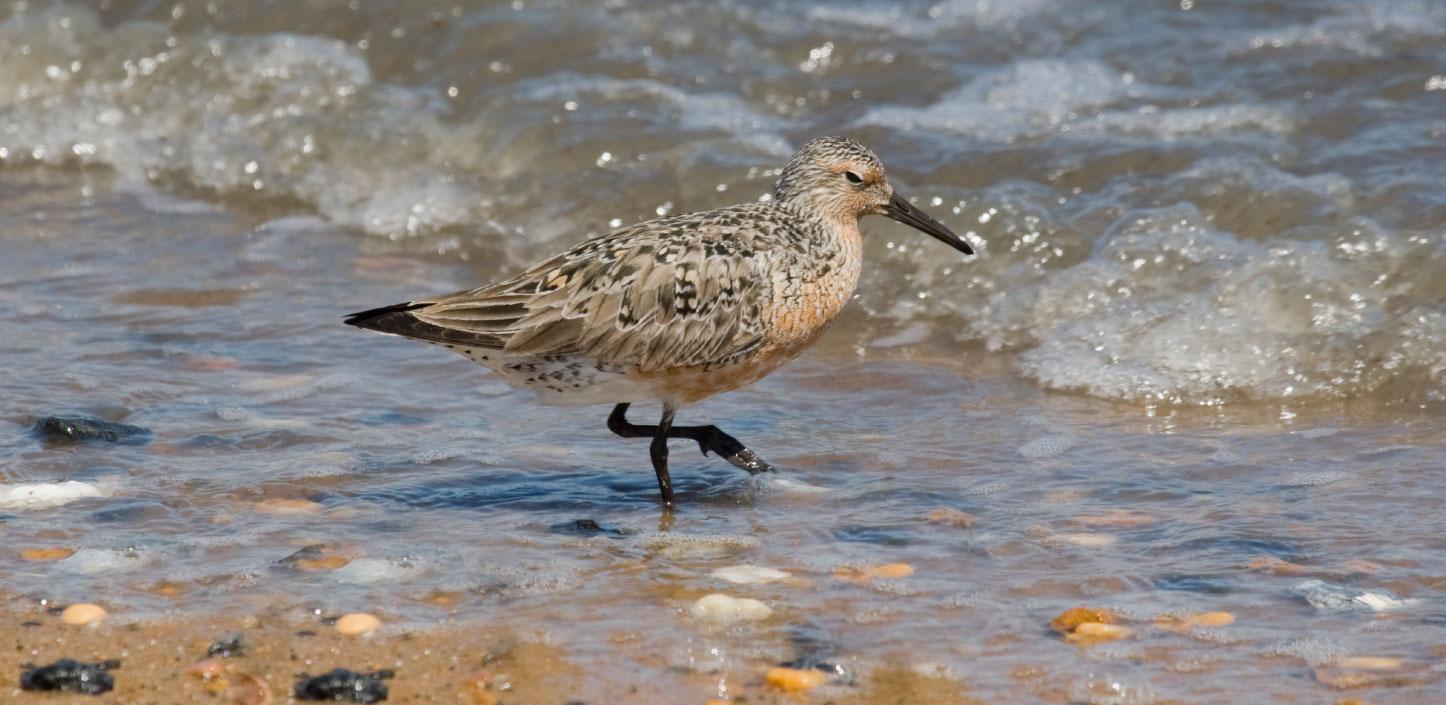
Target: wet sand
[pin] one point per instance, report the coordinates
(477, 665)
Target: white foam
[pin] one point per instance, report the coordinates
(1168, 307)
(1027, 98)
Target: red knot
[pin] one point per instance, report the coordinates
(677, 309)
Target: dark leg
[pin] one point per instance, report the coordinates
(618, 423)
(659, 453)
(708, 438)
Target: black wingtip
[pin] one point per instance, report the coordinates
(368, 319)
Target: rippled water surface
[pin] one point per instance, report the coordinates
(1197, 364)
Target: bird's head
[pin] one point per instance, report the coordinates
(843, 180)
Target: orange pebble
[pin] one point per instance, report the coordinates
(1070, 619)
(794, 680)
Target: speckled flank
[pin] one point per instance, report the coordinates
(675, 309)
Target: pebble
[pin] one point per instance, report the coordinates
(46, 554)
(794, 680)
(1116, 517)
(1088, 539)
(478, 686)
(43, 495)
(748, 574)
(357, 623)
(1097, 632)
(284, 505)
(74, 429)
(342, 684)
(324, 563)
(72, 676)
(240, 688)
(1371, 663)
(1071, 618)
(1361, 566)
(949, 516)
(1344, 677)
(1278, 566)
(82, 613)
(1193, 621)
(723, 609)
(886, 571)
(207, 669)
(1337, 598)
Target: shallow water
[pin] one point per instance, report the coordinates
(1204, 333)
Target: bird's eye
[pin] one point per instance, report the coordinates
(853, 178)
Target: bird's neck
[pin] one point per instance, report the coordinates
(834, 221)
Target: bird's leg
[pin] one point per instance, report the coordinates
(618, 423)
(659, 453)
(709, 438)
(727, 447)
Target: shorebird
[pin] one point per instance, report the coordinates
(680, 308)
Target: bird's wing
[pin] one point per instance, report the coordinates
(669, 293)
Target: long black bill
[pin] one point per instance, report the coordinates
(905, 212)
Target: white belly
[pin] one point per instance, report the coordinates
(561, 381)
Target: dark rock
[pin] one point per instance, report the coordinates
(226, 646)
(341, 684)
(70, 676)
(588, 528)
(78, 429)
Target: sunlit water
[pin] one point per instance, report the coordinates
(1204, 333)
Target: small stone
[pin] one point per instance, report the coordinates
(342, 684)
(1087, 539)
(244, 689)
(1097, 632)
(357, 623)
(285, 505)
(47, 554)
(76, 429)
(479, 688)
(1371, 663)
(70, 676)
(748, 574)
(1271, 564)
(1071, 618)
(1361, 567)
(1116, 517)
(443, 598)
(207, 669)
(227, 646)
(1212, 619)
(1207, 620)
(208, 363)
(1344, 677)
(949, 516)
(323, 563)
(1332, 597)
(794, 680)
(167, 588)
(886, 571)
(723, 609)
(44, 495)
(82, 613)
